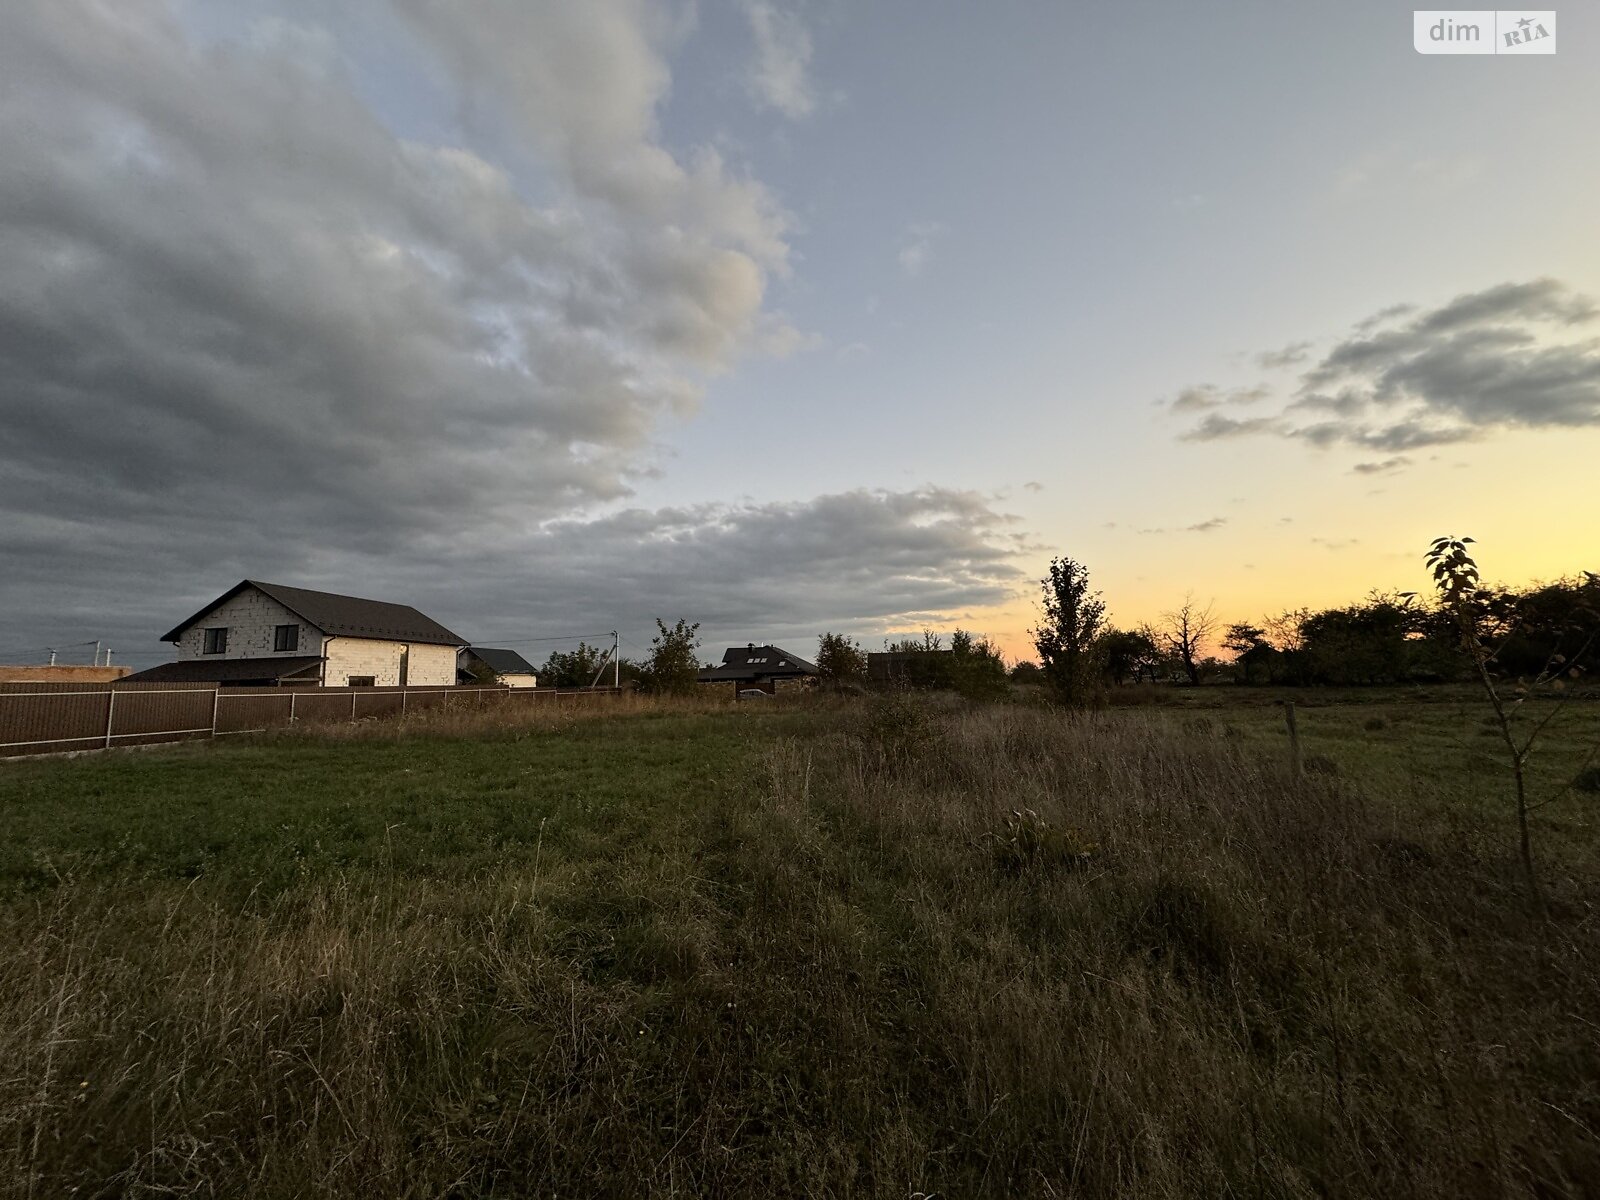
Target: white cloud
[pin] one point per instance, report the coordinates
(295, 344)
(778, 78)
(916, 245)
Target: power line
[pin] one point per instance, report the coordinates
(571, 637)
(47, 649)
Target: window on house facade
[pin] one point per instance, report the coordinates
(216, 640)
(286, 637)
(362, 681)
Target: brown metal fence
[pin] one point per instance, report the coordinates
(48, 718)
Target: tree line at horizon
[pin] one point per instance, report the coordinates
(1386, 638)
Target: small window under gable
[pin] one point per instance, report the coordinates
(286, 637)
(216, 640)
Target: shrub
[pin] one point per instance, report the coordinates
(898, 726)
(1320, 764)
(1026, 840)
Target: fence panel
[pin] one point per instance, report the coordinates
(250, 710)
(143, 716)
(44, 718)
(52, 720)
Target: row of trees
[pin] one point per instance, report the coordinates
(1386, 638)
(973, 665)
(671, 666)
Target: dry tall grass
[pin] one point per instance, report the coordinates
(465, 718)
(998, 953)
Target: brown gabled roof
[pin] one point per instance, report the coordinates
(340, 616)
(229, 670)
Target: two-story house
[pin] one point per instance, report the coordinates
(265, 634)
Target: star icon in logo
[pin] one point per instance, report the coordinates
(1525, 22)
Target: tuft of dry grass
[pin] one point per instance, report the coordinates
(868, 950)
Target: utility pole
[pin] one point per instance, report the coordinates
(52, 650)
(108, 656)
(97, 652)
(616, 659)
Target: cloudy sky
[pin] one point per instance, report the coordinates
(552, 317)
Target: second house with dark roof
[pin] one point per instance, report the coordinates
(485, 664)
(266, 634)
(761, 668)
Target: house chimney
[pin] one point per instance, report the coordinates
(751, 648)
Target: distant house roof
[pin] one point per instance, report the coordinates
(340, 616)
(231, 670)
(502, 662)
(750, 662)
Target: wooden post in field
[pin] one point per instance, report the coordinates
(1294, 739)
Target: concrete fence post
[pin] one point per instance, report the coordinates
(111, 708)
(292, 697)
(216, 701)
(352, 704)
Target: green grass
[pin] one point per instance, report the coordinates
(270, 815)
(800, 950)
(1428, 753)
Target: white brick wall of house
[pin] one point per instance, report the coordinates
(359, 658)
(251, 619)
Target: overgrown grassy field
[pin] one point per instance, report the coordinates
(872, 949)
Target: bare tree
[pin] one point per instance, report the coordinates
(1186, 631)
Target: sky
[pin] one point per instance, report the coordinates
(553, 318)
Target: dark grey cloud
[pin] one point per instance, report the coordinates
(249, 329)
(1209, 525)
(1383, 315)
(1215, 427)
(1382, 467)
(1287, 356)
(1538, 300)
(1513, 356)
(1205, 396)
(857, 562)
